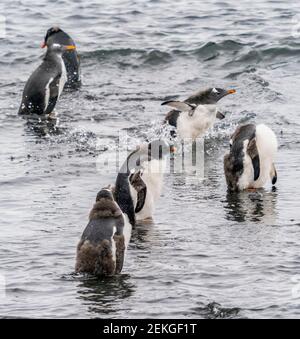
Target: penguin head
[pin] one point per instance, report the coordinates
(105, 193)
(209, 96)
(50, 36)
(55, 35)
(59, 49)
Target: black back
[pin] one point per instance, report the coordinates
(98, 230)
(33, 100)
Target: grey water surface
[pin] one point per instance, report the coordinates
(207, 254)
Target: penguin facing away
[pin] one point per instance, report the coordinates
(46, 83)
(140, 180)
(102, 248)
(194, 116)
(55, 35)
(250, 162)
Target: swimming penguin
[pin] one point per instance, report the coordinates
(103, 244)
(194, 116)
(55, 35)
(250, 162)
(140, 180)
(46, 84)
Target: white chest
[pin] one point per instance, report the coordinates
(198, 124)
(247, 178)
(127, 231)
(153, 174)
(267, 147)
(63, 78)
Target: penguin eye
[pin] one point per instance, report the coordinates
(215, 91)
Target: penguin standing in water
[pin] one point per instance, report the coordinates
(194, 116)
(46, 84)
(250, 162)
(140, 180)
(55, 35)
(101, 250)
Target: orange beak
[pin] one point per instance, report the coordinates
(70, 47)
(67, 48)
(231, 91)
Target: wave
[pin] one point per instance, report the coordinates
(159, 55)
(226, 45)
(231, 53)
(265, 55)
(129, 56)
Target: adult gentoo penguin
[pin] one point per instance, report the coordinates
(250, 162)
(140, 180)
(103, 244)
(46, 84)
(55, 35)
(194, 116)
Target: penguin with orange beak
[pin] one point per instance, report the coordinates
(193, 117)
(46, 83)
(56, 35)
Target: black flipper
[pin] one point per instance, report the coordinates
(123, 197)
(179, 105)
(122, 192)
(253, 153)
(141, 188)
(256, 167)
(141, 200)
(51, 105)
(54, 92)
(274, 176)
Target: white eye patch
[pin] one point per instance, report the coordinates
(214, 90)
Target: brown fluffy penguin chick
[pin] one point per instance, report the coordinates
(103, 244)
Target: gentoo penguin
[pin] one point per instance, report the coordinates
(140, 180)
(46, 84)
(55, 35)
(194, 116)
(250, 162)
(103, 244)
